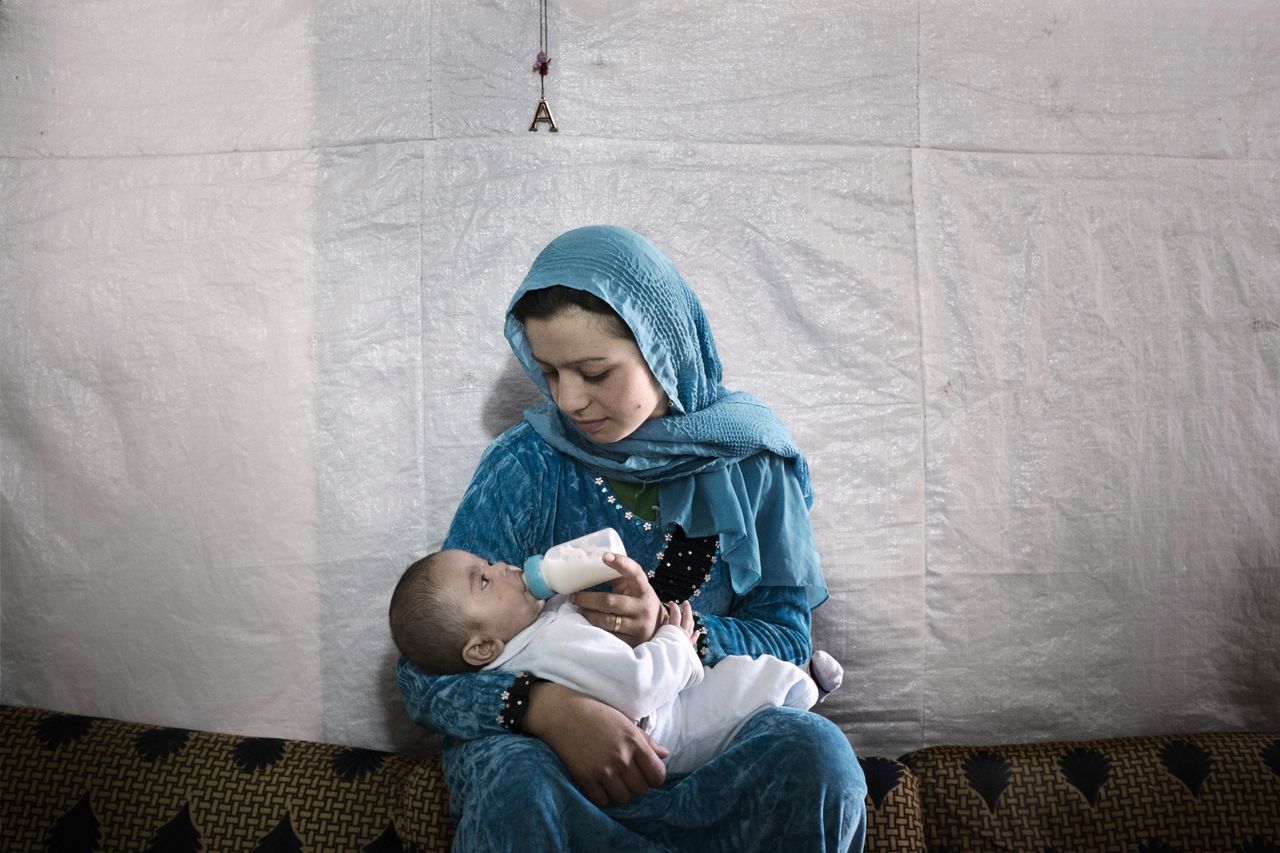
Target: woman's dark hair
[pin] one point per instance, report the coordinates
(547, 302)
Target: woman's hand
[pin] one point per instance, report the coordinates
(606, 754)
(631, 611)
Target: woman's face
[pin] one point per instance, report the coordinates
(596, 378)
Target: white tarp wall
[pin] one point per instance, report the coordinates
(1009, 271)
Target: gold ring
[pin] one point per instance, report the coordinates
(617, 623)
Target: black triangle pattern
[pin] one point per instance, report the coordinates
(1189, 763)
(256, 753)
(159, 744)
(351, 764)
(77, 831)
(58, 730)
(282, 839)
(1271, 756)
(988, 774)
(388, 842)
(179, 835)
(1087, 770)
(882, 775)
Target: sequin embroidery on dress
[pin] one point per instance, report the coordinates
(682, 565)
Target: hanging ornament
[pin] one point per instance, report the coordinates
(541, 64)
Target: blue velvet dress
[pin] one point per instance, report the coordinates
(788, 781)
(726, 468)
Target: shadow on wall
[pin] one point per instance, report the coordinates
(407, 737)
(510, 395)
(1253, 635)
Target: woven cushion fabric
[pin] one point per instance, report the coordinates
(1203, 792)
(422, 809)
(83, 783)
(893, 807)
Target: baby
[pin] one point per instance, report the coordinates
(453, 611)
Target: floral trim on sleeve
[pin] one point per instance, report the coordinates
(703, 646)
(515, 703)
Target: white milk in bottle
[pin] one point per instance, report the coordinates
(573, 565)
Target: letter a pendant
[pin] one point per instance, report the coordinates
(543, 114)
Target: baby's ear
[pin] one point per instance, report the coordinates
(481, 651)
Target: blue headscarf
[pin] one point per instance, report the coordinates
(694, 452)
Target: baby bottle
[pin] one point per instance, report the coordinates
(573, 565)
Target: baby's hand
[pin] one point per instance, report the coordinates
(681, 616)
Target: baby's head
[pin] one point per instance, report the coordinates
(453, 611)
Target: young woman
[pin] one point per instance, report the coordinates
(712, 498)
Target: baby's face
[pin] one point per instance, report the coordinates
(491, 596)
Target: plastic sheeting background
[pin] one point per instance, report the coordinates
(1010, 272)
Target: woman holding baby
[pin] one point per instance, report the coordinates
(712, 499)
